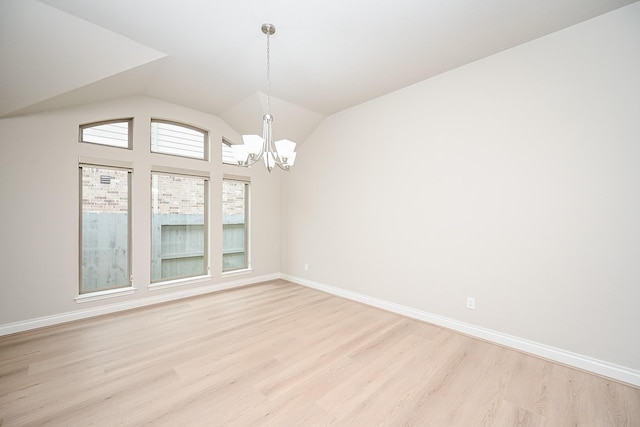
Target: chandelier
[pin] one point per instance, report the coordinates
(280, 153)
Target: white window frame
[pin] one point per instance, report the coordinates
(172, 282)
(87, 162)
(247, 225)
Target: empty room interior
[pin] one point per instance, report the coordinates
(320, 213)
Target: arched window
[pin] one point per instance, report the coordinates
(178, 139)
(116, 133)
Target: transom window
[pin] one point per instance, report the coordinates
(227, 153)
(115, 133)
(178, 139)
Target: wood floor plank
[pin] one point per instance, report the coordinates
(278, 354)
(511, 415)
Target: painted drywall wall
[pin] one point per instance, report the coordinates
(514, 180)
(39, 185)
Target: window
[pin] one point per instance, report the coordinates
(235, 209)
(178, 140)
(116, 133)
(104, 228)
(227, 153)
(178, 226)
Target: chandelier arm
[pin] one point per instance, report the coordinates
(283, 167)
(278, 157)
(270, 147)
(252, 159)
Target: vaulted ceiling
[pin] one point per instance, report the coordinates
(210, 55)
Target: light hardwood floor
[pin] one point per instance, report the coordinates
(283, 355)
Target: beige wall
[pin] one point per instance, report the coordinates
(40, 191)
(515, 180)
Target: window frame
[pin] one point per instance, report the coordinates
(175, 281)
(117, 290)
(247, 224)
(129, 122)
(206, 139)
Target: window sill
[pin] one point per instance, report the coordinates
(237, 272)
(178, 282)
(111, 293)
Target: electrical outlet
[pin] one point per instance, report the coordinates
(471, 303)
(306, 267)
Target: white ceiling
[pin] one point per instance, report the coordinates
(210, 55)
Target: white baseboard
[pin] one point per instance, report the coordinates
(41, 322)
(598, 367)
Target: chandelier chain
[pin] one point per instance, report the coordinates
(268, 73)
